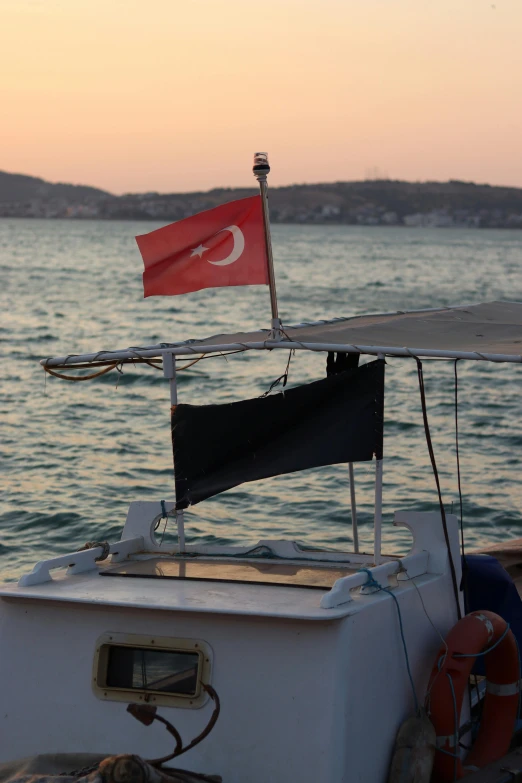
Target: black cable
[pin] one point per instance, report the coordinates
(436, 475)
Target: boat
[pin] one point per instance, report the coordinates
(283, 662)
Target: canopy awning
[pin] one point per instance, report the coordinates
(491, 328)
(489, 332)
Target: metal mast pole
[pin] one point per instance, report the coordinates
(355, 531)
(261, 170)
(377, 524)
(377, 556)
(169, 371)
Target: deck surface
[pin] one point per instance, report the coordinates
(206, 596)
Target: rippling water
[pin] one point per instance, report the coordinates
(73, 455)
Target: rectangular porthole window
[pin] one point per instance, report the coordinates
(162, 671)
(157, 670)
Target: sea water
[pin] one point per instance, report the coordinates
(74, 455)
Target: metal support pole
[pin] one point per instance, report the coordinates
(355, 531)
(261, 170)
(169, 371)
(377, 520)
(377, 524)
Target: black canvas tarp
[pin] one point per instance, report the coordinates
(338, 419)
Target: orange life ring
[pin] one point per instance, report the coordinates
(473, 634)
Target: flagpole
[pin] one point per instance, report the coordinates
(261, 170)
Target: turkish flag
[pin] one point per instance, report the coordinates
(222, 246)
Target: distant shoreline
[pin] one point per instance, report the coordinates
(333, 224)
(374, 203)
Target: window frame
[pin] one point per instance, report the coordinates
(159, 643)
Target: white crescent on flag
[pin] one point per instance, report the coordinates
(239, 246)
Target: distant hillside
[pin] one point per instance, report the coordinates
(369, 203)
(20, 187)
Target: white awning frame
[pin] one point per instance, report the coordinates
(213, 346)
(183, 350)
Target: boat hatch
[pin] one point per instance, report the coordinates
(161, 670)
(314, 576)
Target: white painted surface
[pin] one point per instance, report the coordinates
(79, 562)
(353, 506)
(377, 520)
(342, 591)
(182, 596)
(428, 554)
(317, 701)
(308, 693)
(169, 371)
(195, 349)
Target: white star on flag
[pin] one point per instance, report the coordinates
(198, 251)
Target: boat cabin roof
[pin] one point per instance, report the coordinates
(208, 595)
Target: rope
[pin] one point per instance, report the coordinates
(256, 554)
(80, 377)
(283, 377)
(440, 664)
(186, 366)
(484, 652)
(106, 548)
(150, 362)
(219, 355)
(442, 659)
(79, 773)
(455, 724)
(139, 360)
(372, 582)
(437, 482)
(165, 516)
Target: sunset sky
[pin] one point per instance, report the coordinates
(174, 95)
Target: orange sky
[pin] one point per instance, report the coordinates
(173, 95)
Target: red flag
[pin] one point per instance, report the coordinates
(222, 246)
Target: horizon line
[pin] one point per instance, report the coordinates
(272, 187)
